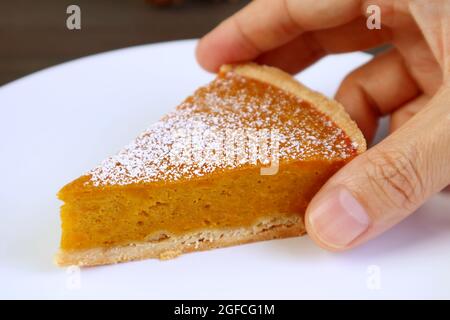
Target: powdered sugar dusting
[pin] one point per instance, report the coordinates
(232, 122)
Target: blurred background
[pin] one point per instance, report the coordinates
(34, 35)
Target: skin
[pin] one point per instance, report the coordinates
(410, 83)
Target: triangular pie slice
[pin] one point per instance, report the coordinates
(236, 162)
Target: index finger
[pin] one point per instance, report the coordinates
(267, 24)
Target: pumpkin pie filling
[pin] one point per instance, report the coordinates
(199, 168)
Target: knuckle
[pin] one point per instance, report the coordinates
(289, 26)
(394, 176)
(248, 39)
(352, 81)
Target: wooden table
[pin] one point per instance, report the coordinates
(34, 35)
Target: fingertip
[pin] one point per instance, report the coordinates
(312, 234)
(225, 44)
(335, 219)
(311, 231)
(205, 56)
(217, 47)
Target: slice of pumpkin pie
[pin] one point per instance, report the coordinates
(236, 162)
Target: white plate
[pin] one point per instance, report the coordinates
(58, 123)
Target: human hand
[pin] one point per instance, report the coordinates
(410, 83)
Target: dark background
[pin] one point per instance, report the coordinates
(33, 33)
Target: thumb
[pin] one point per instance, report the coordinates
(384, 185)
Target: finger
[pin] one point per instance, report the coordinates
(352, 36)
(377, 88)
(311, 46)
(385, 184)
(267, 24)
(402, 115)
(295, 55)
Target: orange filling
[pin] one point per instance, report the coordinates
(118, 215)
(109, 215)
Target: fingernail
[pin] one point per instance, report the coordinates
(337, 218)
